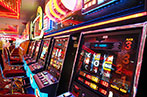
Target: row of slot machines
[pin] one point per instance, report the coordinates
(99, 63)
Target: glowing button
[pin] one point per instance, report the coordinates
(122, 90)
(93, 86)
(103, 91)
(95, 79)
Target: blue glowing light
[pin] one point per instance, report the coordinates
(102, 45)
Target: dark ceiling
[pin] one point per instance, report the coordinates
(28, 10)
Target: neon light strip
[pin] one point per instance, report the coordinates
(7, 7)
(48, 13)
(16, 11)
(56, 4)
(102, 23)
(51, 10)
(1, 31)
(12, 15)
(36, 19)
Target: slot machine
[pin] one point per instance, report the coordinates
(35, 53)
(56, 77)
(40, 65)
(43, 56)
(34, 57)
(30, 50)
(30, 53)
(108, 62)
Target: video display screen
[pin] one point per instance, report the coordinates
(91, 5)
(32, 47)
(58, 54)
(46, 44)
(37, 48)
(107, 63)
(37, 31)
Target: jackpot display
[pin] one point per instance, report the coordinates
(107, 64)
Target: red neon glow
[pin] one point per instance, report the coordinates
(72, 21)
(87, 82)
(76, 87)
(1, 31)
(103, 91)
(14, 11)
(88, 50)
(104, 83)
(80, 79)
(48, 13)
(88, 76)
(57, 10)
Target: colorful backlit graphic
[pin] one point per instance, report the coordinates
(107, 63)
(45, 49)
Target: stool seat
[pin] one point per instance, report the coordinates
(13, 73)
(20, 95)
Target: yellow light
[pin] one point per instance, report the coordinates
(51, 10)
(122, 90)
(48, 13)
(58, 8)
(115, 87)
(93, 86)
(95, 79)
(102, 23)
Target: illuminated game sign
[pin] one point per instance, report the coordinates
(107, 63)
(48, 23)
(57, 10)
(91, 5)
(38, 22)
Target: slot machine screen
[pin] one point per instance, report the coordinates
(37, 48)
(37, 31)
(46, 44)
(32, 47)
(58, 55)
(107, 62)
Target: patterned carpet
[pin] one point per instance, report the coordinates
(10, 86)
(5, 85)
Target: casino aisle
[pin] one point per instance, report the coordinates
(72, 48)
